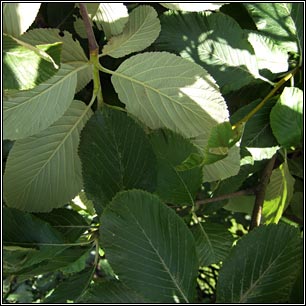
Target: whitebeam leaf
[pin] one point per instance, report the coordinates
(29, 112)
(149, 247)
(139, 33)
(262, 267)
(192, 7)
(111, 18)
(164, 90)
(72, 52)
(17, 17)
(44, 171)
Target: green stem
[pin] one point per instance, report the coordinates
(262, 103)
(93, 53)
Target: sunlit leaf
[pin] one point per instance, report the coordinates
(26, 113)
(286, 117)
(192, 7)
(164, 90)
(111, 18)
(44, 171)
(278, 194)
(17, 17)
(139, 33)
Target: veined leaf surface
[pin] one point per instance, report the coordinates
(164, 90)
(26, 113)
(111, 18)
(262, 267)
(139, 33)
(149, 247)
(116, 155)
(72, 52)
(214, 41)
(44, 171)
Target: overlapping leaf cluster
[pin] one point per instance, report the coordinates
(138, 172)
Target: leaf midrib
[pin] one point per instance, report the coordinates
(73, 127)
(159, 257)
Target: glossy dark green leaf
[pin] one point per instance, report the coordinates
(213, 242)
(111, 292)
(262, 267)
(72, 288)
(26, 230)
(67, 221)
(174, 186)
(257, 130)
(149, 247)
(116, 155)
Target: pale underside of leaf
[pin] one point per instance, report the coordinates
(29, 112)
(139, 33)
(111, 18)
(72, 52)
(164, 90)
(192, 7)
(17, 17)
(44, 171)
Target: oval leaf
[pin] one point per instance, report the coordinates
(286, 117)
(149, 247)
(116, 155)
(164, 90)
(192, 7)
(46, 159)
(139, 33)
(262, 267)
(29, 112)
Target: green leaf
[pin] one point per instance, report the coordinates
(297, 14)
(66, 221)
(268, 54)
(278, 194)
(262, 267)
(111, 292)
(26, 113)
(140, 32)
(192, 7)
(257, 130)
(286, 117)
(297, 204)
(111, 18)
(116, 155)
(224, 168)
(47, 159)
(149, 247)
(24, 229)
(214, 41)
(275, 20)
(26, 66)
(72, 52)
(164, 90)
(17, 17)
(72, 288)
(174, 186)
(213, 242)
